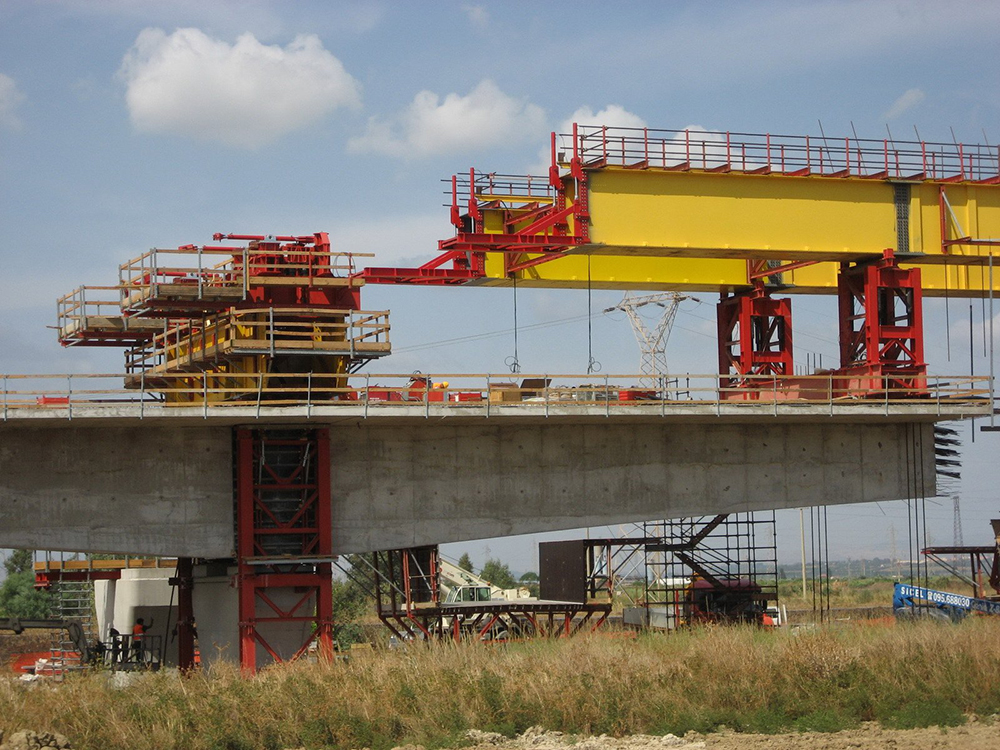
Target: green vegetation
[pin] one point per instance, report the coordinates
(18, 595)
(465, 562)
(856, 592)
(498, 573)
(821, 679)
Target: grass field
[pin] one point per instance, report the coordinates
(747, 679)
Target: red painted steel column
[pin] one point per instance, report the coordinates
(324, 523)
(244, 549)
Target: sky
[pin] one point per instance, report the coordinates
(128, 125)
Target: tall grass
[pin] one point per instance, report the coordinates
(747, 679)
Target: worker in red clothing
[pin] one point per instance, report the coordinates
(138, 631)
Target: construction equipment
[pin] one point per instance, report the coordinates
(74, 631)
(910, 602)
(879, 223)
(460, 585)
(413, 602)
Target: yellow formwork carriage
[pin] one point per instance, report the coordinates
(692, 230)
(240, 377)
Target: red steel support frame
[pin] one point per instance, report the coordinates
(755, 339)
(881, 328)
(265, 518)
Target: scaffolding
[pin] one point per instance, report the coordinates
(405, 584)
(711, 569)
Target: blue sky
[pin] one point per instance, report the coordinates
(127, 125)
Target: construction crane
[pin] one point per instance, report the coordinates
(652, 341)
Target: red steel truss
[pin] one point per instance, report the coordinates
(284, 543)
(881, 327)
(755, 338)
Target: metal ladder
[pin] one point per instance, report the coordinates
(72, 600)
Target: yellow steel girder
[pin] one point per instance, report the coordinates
(693, 230)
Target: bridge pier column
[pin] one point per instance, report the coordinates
(284, 544)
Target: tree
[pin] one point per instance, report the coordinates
(18, 595)
(498, 574)
(19, 561)
(465, 562)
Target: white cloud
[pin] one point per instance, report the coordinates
(484, 118)
(244, 94)
(10, 98)
(478, 15)
(407, 240)
(613, 116)
(908, 100)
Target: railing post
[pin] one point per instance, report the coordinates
(142, 393)
(260, 391)
(427, 397)
(663, 384)
(153, 285)
(350, 331)
(309, 385)
(607, 397)
(487, 396)
(545, 394)
(69, 396)
(831, 394)
(937, 393)
(204, 394)
(201, 290)
(885, 387)
(270, 326)
(368, 391)
(5, 378)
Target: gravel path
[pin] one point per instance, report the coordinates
(972, 736)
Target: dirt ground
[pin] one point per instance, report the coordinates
(972, 736)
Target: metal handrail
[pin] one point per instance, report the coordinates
(490, 394)
(784, 154)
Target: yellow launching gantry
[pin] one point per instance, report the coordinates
(878, 222)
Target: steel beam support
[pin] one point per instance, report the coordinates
(755, 339)
(284, 538)
(881, 328)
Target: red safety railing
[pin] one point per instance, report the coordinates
(767, 153)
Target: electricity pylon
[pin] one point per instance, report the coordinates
(652, 340)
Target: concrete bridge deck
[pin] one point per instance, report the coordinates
(142, 477)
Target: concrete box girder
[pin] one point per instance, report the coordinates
(164, 489)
